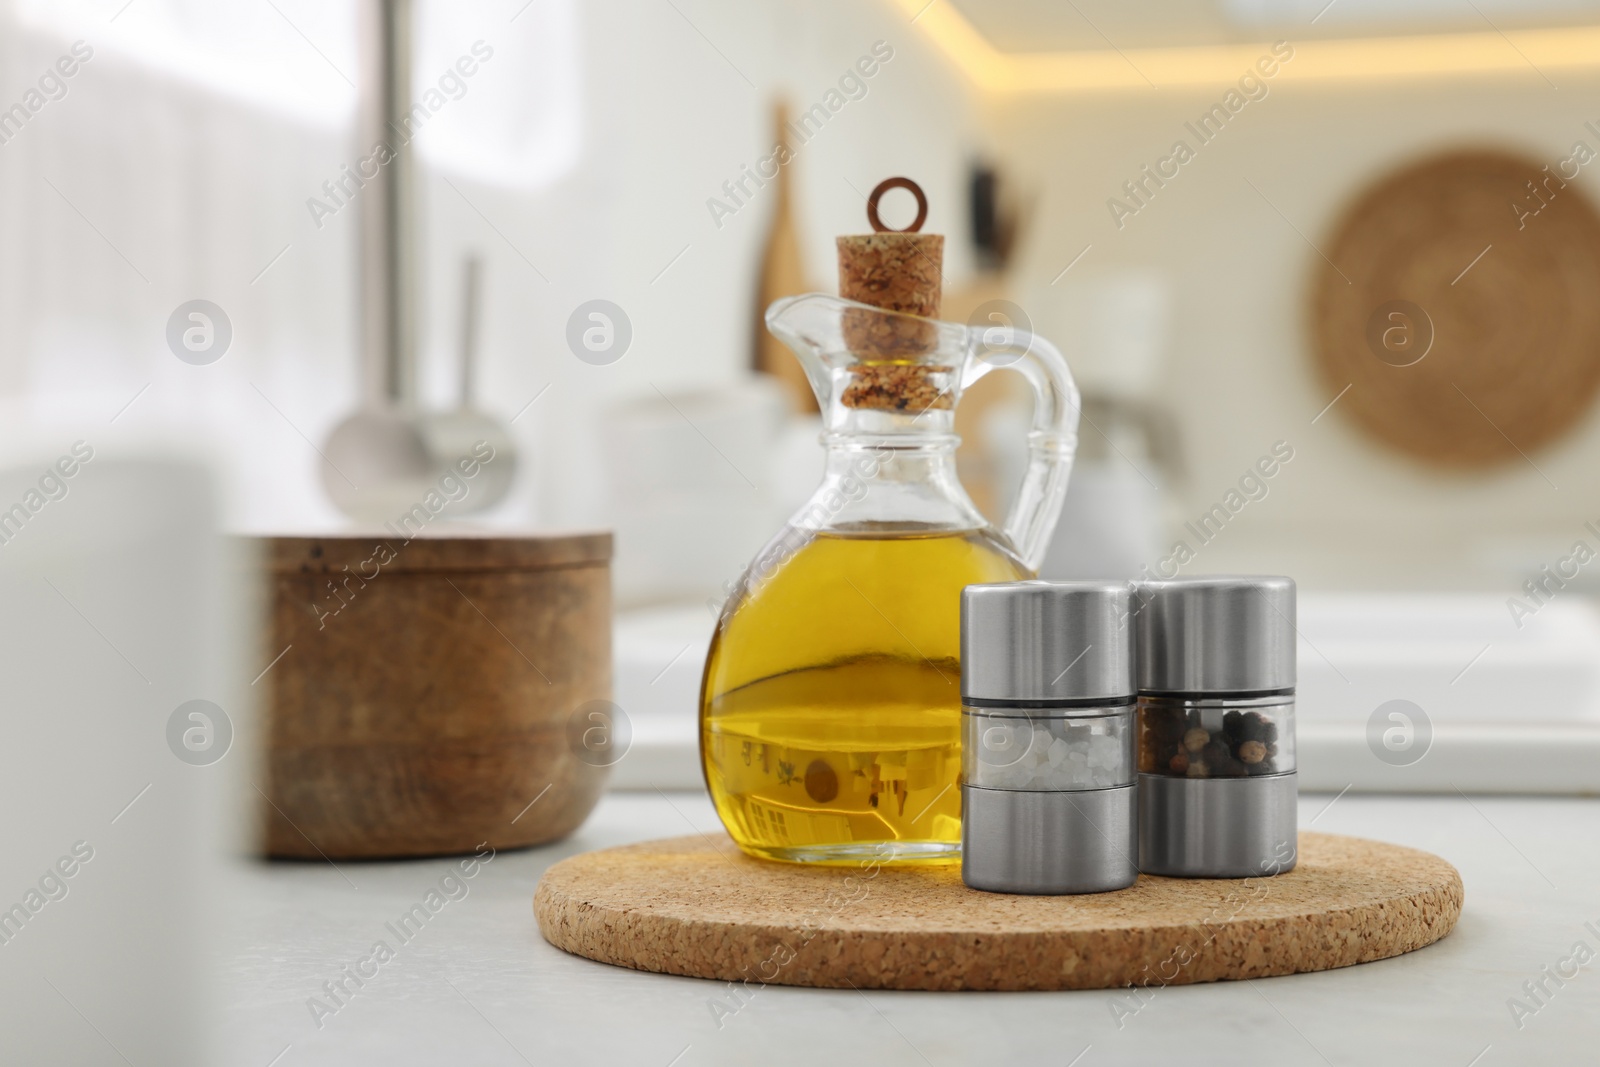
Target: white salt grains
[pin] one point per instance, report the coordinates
(1059, 754)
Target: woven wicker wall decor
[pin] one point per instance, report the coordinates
(1459, 299)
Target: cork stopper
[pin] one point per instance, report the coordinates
(899, 271)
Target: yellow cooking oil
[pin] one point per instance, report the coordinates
(830, 709)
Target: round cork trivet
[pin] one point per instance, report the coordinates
(1454, 310)
(698, 907)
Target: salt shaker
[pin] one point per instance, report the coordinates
(1217, 785)
(1047, 692)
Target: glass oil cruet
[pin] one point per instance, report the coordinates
(830, 705)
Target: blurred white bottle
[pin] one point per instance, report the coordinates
(116, 611)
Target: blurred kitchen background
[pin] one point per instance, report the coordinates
(579, 160)
(1349, 331)
(603, 151)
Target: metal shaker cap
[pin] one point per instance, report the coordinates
(1046, 642)
(1225, 634)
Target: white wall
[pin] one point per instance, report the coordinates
(1345, 512)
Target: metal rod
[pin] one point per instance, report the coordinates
(471, 274)
(384, 179)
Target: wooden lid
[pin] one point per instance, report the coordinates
(461, 550)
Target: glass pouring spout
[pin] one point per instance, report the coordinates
(886, 380)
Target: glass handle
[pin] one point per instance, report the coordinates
(1053, 440)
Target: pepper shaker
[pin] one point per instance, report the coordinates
(1047, 686)
(1217, 784)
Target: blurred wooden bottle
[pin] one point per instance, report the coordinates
(782, 272)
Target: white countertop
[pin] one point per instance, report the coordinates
(479, 985)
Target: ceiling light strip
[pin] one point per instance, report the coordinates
(1372, 59)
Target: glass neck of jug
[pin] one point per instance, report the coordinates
(887, 385)
(890, 482)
